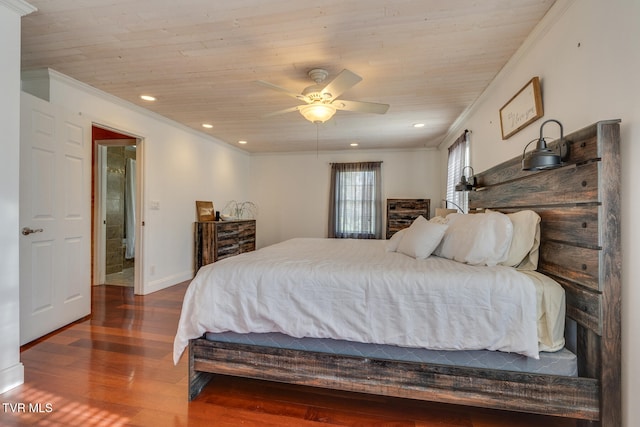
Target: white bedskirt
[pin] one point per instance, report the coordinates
(353, 290)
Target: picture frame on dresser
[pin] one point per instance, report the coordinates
(204, 210)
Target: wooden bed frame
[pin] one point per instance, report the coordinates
(580, 248)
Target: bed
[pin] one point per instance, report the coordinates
(579, 250)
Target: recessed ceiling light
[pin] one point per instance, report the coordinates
(207, 125)
(418, 125)
(148, 97)
(354, 144)
(242, 142)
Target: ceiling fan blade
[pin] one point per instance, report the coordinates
(281, 89)
(341, 83)
(286, 110)
(360, 107)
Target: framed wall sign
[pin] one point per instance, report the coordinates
(524, 108)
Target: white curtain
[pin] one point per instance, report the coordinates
(130, 209)
(458, 159)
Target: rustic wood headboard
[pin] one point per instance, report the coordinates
(579, 206)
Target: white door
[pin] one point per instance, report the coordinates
(55, 222)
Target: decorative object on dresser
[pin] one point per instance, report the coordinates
(215, 240)
(240, 210)
(204, 210)
(402, 212)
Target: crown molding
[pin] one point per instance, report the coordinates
(21, 7)
(353, 151)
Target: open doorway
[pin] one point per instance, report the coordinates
(116, 201)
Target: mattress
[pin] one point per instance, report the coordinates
(353, 290)
(562, 362)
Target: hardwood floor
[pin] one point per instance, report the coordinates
(116, 369)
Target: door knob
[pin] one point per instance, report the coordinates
(26, 230)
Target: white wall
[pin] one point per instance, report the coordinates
(292, 190)
(180, 167)
(587, 56)
(11, 370)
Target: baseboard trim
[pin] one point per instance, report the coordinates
(11, 377)
(158, 285)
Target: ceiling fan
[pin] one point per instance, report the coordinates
(320, 99)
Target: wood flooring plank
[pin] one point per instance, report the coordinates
(135, 348)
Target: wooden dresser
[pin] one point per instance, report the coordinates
(402, 212)
(216, 240)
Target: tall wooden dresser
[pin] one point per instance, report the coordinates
(402, 212)
(215, 240)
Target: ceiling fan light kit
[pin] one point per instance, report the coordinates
(317, 113)
(321, 100)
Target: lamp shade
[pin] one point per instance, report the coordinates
(543, 157)
(317, 112)
(464, 184)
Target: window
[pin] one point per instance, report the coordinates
(355, 208)
(458, 159)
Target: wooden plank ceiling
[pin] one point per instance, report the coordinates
(428, 59)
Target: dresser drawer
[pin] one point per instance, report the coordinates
(216, 240)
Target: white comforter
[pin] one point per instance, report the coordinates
(354, 290)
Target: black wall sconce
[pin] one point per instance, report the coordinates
(543, 157)
(464, 184)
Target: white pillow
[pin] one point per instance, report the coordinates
(477, 239)
(421, 238)
(523, 252)
(394, 241)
